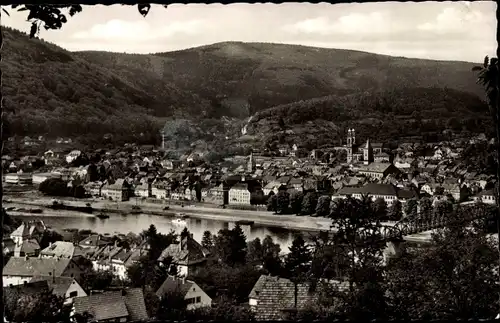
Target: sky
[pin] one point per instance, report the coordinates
(464, 31)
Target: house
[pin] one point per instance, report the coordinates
(239, 194)
(28, 230)
(160, 190)
(381, 158)
(39, 178)
(127, 305)
(62, 249)
(93, 188)
(66, 287)
(20, 270)
(487, 197)
(378, 170)
(142, 190)
(27, 248)
(94, 241)
(188, 255)
(116, 259)
(192, 293)
(215, 195)
(271, 297)
(19, 178)
(272, 187)
(459, 192)
(386, 191)
(117, 191)
(73, 155)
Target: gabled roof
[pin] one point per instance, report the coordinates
(116, 304)
(31, 288)
(275, 294)
(63, 249)
(174, 284)
(58, 285)
(94, 240)
(375, 167)
(30, 246)
(187, 252)
(35, 266)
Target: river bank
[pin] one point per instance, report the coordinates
(291, 222)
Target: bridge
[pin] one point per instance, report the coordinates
(394, 234)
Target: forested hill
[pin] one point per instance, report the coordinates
(61, 93)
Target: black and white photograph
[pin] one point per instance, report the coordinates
(250, 162)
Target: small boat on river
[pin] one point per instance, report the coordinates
(179, 222)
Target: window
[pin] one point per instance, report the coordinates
(198, 299)
(73, 294)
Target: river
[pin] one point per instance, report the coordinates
(137, 222)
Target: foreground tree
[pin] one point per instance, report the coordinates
(40, 307)
(231, 246)
(356, 248)
(488, 77)
(380, 207)
(296, 202)
(282, 201)
(323, 206)
(454, 278)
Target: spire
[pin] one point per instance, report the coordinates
(368, 145)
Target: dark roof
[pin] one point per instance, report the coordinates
(371, 189)
(187, 252)
(275, 294)
(31, 288)
(379, 189)
(174, 284)
(116, 304)
(58, 285)
(94, 240)
(35, 266)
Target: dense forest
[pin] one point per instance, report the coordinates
(53, 92)
(383, 115)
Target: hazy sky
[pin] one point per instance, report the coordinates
(435, 30)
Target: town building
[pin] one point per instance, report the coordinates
(73, 155)
(194, 296)
(487, 197)
(20, 270)
(19, 178)
(239, 194)
(66, 287)
(188, 255)
(125, 305)
(118, 191)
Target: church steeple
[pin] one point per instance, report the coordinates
(368, 153)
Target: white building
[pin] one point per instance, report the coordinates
(239, 194)
(487, 197)
(19, 178)
(73, 155)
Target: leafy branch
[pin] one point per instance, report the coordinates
(52, 16)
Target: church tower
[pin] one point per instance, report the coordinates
(351, 141)
(368, 153)
(251, 163)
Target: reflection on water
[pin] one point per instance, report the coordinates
(137, 222)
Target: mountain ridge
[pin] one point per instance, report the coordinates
(56, 92)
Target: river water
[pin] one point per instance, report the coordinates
(137, 222)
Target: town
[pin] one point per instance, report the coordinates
(250, 162)
(398, 182)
